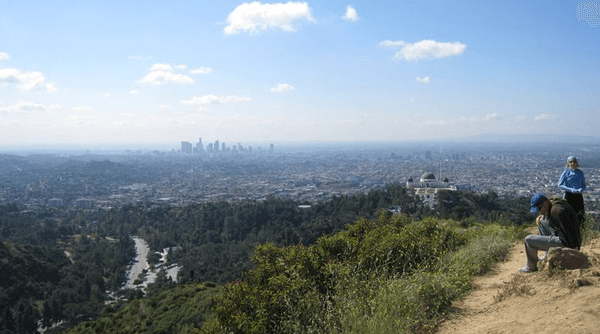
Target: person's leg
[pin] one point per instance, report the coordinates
(580, 210)
(545, 230)
(533, 243)
(576, 202)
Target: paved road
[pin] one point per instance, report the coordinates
(140, 263)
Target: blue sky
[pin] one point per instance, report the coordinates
(105, 72)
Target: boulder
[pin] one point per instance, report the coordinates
(566, 258)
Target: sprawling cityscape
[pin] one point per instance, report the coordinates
(298, 166)
(305, 172)
(133, 220)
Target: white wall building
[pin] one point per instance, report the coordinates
(427, 187)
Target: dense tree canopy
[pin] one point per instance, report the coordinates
(64, 262)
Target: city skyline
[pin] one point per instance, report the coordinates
(98, 73)
(198, 147)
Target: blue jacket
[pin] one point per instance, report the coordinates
(572, 181)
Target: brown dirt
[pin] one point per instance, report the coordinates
(506, 301)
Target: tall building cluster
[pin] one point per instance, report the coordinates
(216, 147)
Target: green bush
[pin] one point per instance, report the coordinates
(303, 289)
(415, 303)
(180, 309)
(590, 228)
(285, 284)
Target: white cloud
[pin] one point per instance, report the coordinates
(82, 108)
(351, 14)
(282, 87)
(25, 80)
(424, 80)
(206, 100)
(164, 73)
(165, 106)
(161, 67)
(202, 70)
(80, 120)
(4, 56)
(22, 106)
(425, 49)
(254, 17)
(134, 91)
(545, 117)
(492, 117)
(160, 77)
(50, 87)
(390, 44)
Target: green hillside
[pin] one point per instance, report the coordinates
(180, 309)
(27, 273)
(92, 249)
(392, 274)
(41, 286)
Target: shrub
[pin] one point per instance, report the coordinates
(295, 289)
(278, 294)
(415, 303)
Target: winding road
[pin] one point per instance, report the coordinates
(140, 263)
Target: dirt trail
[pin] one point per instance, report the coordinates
(506, 301)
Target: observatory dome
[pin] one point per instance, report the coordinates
(427, 177)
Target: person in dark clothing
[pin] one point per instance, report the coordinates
(572, 183)
(564, 226)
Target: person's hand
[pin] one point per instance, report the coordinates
(538, 220)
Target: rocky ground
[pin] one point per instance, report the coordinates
(548, 301)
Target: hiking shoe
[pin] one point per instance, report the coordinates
(526, 269)
(543, 257)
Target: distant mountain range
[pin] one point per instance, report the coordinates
(81, 149)
(528, 138)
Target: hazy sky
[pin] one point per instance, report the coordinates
(92, 72)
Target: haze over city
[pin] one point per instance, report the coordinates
(108, 72)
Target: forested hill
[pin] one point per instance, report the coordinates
(65, 283)
(28, 273)
(392, 274)
(213, 241)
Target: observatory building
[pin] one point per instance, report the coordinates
(428, 186)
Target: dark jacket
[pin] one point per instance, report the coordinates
(565, 224)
